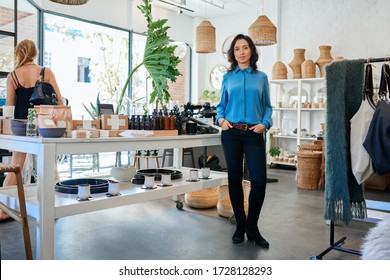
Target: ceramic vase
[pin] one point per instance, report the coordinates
(296, 63)
(324, 59)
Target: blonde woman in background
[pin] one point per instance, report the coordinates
(20, 86)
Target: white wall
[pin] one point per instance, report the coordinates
(354, 29)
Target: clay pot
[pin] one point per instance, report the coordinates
(296, 63)
(324, 59)
(308, 69)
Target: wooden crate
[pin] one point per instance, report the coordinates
(173, 132)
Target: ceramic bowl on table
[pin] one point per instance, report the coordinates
(18, 127)
(55, 132)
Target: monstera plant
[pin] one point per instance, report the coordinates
(159, 58)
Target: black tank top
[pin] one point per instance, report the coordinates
(22, 103)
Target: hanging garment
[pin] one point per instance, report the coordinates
(377, 142)
(343, 196)
(360, 160)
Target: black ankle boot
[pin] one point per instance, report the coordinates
(239, 234)
(253, 234)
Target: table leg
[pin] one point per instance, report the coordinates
(46, 200)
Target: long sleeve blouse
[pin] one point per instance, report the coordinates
(245, 98)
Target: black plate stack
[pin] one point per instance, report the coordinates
(71, 186)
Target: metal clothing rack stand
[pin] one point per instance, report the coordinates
(337, 245)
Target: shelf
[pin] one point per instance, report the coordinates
(283, 163)
(297, 118)
(313, 109)
(284, 109)
(285, 136)
(308, 81)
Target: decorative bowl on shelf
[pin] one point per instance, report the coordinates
(123, 173)
(55, 132)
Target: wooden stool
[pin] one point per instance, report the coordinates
(186, 152)
(19, 216)
(137, 161)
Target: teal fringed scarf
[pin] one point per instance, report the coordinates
(343, 195)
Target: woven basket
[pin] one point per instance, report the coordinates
(311, 146)
(205, 37)
(224, 205)
(202, 199)
(308, 169)
(262, 32)
(308, 69)
(279, 71)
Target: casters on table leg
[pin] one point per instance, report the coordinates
(179, 205)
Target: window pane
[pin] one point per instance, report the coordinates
(91, 60)
(142, 86)
(7, 15)
(27, 21)
(6, 53)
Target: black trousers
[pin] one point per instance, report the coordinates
(237, 143)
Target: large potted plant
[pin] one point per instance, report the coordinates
(159, 58)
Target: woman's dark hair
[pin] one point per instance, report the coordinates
(232, 59)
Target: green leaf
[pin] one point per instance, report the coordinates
(159, 58)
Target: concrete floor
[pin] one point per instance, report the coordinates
(291, 220)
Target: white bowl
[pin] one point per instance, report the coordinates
(123, 173)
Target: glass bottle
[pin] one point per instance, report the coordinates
(160, 120)
(172, 121)
(166, 120)
(132, 122)
(31, 126)
(137, 122)
(154, 120)
(143, 123)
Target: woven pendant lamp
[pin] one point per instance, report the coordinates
(70, 2)
(262, 32)
(205, 37)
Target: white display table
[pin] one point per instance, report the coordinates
(46, 205)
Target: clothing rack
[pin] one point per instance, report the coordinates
(338, 244)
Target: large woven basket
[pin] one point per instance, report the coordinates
(262, 31)
(205, 37)
(308, 169)
(311, 146)
(202, 199)
(224, 205)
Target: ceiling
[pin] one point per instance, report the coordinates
(210, 8)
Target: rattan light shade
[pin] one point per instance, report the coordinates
(205, 37)
(262, 32)
(70, 2)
